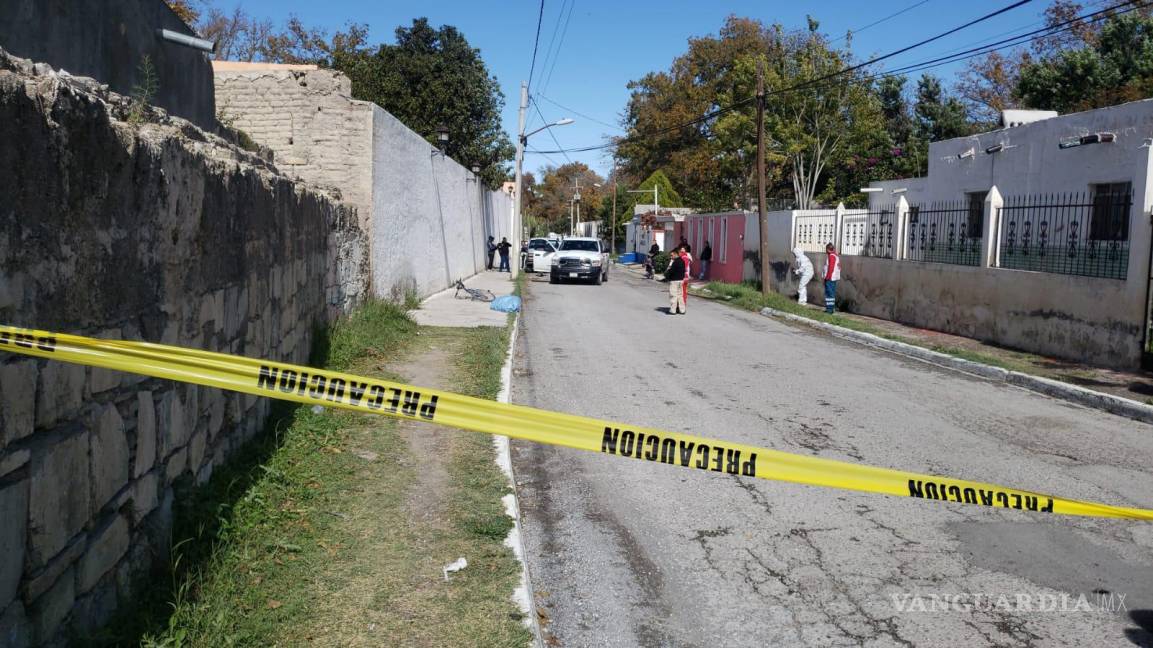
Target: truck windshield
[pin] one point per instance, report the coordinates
(580, 246)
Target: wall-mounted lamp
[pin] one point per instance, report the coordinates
(871, 189)
(475, 173)
(1092, 138)
(966, 154)
(996, 148)
(442, 137)
(901, 190)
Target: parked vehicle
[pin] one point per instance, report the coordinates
(580, 257)
(540, 251)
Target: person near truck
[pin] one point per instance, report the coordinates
(676, 274)
(832, 274)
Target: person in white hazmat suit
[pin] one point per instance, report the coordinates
(804, 268)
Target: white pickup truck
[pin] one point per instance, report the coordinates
(540, 250)
(580, 257)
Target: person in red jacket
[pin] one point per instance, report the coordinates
(832, 274)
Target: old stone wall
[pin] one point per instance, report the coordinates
(426, 216)
(154, 232)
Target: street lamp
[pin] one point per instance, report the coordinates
(521, 140)
(442, 137)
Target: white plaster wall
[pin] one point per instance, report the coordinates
(430, 217)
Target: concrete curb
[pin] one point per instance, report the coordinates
(1072, 393)
(523, 595)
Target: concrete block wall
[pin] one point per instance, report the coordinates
(155, 232)
(426, 216)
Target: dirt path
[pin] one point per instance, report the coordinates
(388, 587)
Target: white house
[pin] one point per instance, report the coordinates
(1034, 236)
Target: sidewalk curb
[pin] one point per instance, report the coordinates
(1055, 389)
(523, 595)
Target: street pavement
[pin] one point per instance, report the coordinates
(633, 553)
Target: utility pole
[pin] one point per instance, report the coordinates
(575, 202)
(613, 230)
(762, 215)
(514, 268)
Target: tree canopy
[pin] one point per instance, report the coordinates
(553, 197)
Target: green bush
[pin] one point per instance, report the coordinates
(661, 262)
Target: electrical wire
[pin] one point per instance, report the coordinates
(556, 55)
(923, 65)
(551, 134)
(536, 43)
(552, 39)
(578, 114)
(877, 22)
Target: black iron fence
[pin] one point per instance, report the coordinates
(1076, 234)
(945, 232)
(879, 234)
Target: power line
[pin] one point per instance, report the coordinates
(560, 45)
(578, 114)
(548, 51)
(551, 134)
(813, 82)
(536, 43)
(877, 22)
(1008, 43)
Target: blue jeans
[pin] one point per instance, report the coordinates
(830, 296)
(503, 263)
(704, 269)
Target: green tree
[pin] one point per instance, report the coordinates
(714, 160)
(1109, 67)
(937, 115)
(430, 77)
(554, 196)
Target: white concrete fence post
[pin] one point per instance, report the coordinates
(991, 232)
(839, 226)
(902, 220)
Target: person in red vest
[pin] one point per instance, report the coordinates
(832, 274)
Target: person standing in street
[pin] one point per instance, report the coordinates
(832, 274)
(676, 274)
(685, 244)
(491, 252)
(654, 250)
(503, 247)
(706, 260)
(804, 270)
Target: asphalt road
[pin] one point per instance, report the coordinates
(628, 553)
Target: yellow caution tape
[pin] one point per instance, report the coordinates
(373, 396)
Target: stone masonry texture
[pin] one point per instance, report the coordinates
(155, 231)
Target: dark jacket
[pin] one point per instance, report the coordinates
(707, 253)
(676, 270)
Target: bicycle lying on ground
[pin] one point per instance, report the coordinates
(472, 293)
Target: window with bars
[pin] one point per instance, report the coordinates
(976, 221)
(1110, 219)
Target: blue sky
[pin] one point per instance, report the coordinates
(608, 43)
